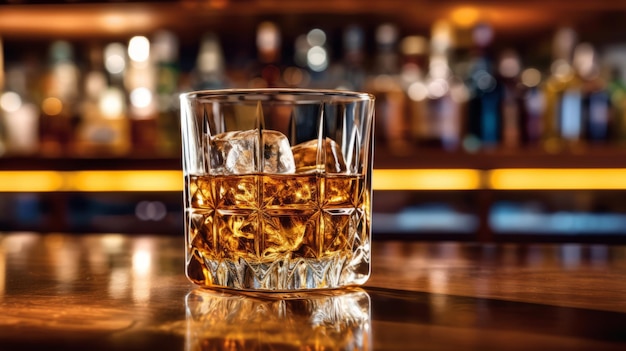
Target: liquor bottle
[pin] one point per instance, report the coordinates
(113, 102)
(103, 128)
(445, 92)
(579, 96)
(384, 82)
(596, 104)
(534, 107)
(514, 110)
(165, 50)
(352, 74)
(267, 70)
(486, 92)
(423, 129)
(140, 83)
(563, 114)
(209, 72)
(617, 91)
(318, 60)
(19, 116)
(2, 132)
(2, 136)
(59, 106)
(1, 65)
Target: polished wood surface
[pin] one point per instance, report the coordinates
(120, 292)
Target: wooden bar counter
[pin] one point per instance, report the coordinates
(123, 292)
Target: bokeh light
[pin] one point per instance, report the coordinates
(139, 49)
(52, 106)
(10, 101)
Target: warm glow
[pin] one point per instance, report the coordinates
(556, 179)
(141, 97)
(1, 65)
(218, 4)
(126, 180)
(382, 179)
(10, 101)
(113, 21)
(111, 103)
(46, 181)
(426, 179)
(141, 262)
(417, 91)
(317, 58)
(531, 77)
(386, 34)
(139, 49)
(294, 76)
(414, 45)
(438, 67)
(142, 267)
(118, 282)
(268, 36)
(64, 260)
(465, 17)
(31, 181)
(562, 70)
(2, 271)
(510, 65)
(52, 106)
(584, 60)
(115, 58)
(437, 88)
(441, 37)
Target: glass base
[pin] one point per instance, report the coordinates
(286, 275)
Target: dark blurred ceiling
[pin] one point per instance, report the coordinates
(119, 18)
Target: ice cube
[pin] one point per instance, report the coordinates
(277, 154)
(305, 156)
(236, 153)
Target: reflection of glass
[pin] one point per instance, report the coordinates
(319, 321)
(2, 269)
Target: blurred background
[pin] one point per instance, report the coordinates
(496, 120)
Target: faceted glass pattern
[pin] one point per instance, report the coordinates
(267, 210)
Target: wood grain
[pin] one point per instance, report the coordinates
(112, 291)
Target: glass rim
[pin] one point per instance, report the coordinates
(308, 92)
